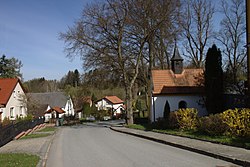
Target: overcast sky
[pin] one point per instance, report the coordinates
(29, 32)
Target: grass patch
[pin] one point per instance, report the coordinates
(145, 127)
(48, 129)
(232, 141)
(35, 135)
(18, 159)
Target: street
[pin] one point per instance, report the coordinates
(97, 146)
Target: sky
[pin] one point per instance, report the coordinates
(29, 31)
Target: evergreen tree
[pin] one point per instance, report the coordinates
(10, 68)
(166, 110)
(214, 80)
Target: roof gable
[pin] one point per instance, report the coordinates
(112, 99)
(7, 85)
(165, 81)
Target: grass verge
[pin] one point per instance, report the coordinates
(18, 159)
(227, 140)
(36, 135)
(47, 129)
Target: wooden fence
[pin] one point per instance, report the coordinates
(9, 132)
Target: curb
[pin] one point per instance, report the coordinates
(232, 160)
(44, 159)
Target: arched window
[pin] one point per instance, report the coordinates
(182, 104)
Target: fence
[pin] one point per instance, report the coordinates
(8, 132)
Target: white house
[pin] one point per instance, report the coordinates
(112, 103)
(12, 99)
(178, 87)
(58, 104)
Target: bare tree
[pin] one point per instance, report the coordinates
(231, 36)
(121, 36)
(103, 39)
(197, 29)
(155, 23)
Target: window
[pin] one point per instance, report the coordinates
(14, 94)
(182, 104)
(21, 110)
(12, 112)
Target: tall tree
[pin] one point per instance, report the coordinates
(99, 37)
(10, 68)
(115, 35)
(196, 23)
(231, 36)
(214, 80)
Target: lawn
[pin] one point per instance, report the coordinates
(48, 129)
(36, 135)
(233, 141)
(40, 133)
(18, 159)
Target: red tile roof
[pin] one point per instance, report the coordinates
(165, 81)
(7, 85)
(57, 109)
(114, 99)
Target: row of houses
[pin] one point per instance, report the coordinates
(13, 103)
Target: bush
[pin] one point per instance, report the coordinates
(173, 121)
(29, 117)
(102, 113)
(161, 123)
(187, 118)
(6, 121)
(238, 122)
(212, 125)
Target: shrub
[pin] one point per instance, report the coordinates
(102, 113)
(212, 125)
(173, 121)
(6, 121)
(29, 117)
(161, 123)
(238, 122)
(187, 118)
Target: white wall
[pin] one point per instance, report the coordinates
(16, 101)
(69, 108)
(105, 105)
(158, 104)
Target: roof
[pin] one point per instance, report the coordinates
(166, 82)
(7, 85)
(56, 109)
(50, 98)
(113, 99)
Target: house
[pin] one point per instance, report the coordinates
(112, 103)
(57, 104)
(12, 99)
(178, 87)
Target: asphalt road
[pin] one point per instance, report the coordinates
(93, 146)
